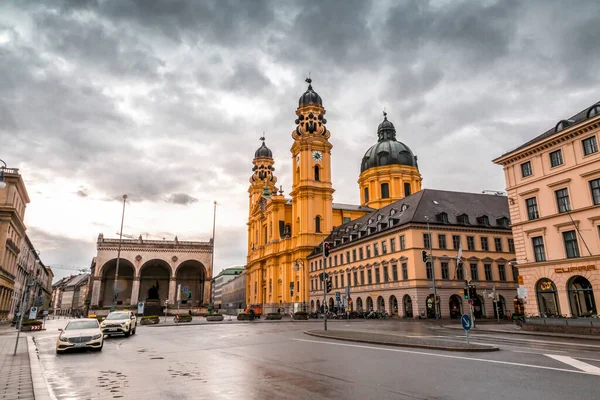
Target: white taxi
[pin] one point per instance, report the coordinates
(80, 333)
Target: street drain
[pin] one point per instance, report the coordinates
(157, 358)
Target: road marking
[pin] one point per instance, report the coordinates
(546, 342)
(535, 352)
(576, 363)
(450, 356)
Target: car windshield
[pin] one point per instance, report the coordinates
(118, 315)
(73, 325)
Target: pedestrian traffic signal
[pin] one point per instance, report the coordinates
(326, 248)
(329, 286)
(424, 256)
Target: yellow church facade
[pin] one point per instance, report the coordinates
(284, 231)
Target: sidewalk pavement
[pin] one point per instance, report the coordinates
(202, 321)
(400, 341)
(15, 371)
(492, 329)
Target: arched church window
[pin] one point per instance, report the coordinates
(385, 190)
(317, 178)
(318, 224)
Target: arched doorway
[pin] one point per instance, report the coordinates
(380, 304)
(331, 305)
(455, 304)
(393, 305)
(319, 306)
(359, 305)
(369, 304)
(430, 306)
(124, 284)
(155, 276)
(312, 305)
(478, 307)
(581, 297)
(500, 307)
(407, 305)
(547, 298)
(191, 275)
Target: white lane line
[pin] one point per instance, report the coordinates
(576, 363)
(450, 356)
(535, 352)
(539, 341)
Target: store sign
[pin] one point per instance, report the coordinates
(546, 285)
(574, 269)
(520, 280)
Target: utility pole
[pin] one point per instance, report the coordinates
(212, 256)
(325, 278)
(435, 302)
(115, 290)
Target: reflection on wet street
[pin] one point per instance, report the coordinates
(277, 361)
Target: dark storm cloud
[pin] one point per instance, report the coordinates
(181, 198)
(169, 97)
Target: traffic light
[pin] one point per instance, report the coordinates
(466, 293)
(329, 286)
(326, 248)
(424, 256)
(472, 292)
(323, 276)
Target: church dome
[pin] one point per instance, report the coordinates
(387, 151)
(310, 96)
(263, 150)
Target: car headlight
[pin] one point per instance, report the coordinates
(62, 338)
(97, 336)
(124, 324)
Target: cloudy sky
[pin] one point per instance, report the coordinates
(166, 100)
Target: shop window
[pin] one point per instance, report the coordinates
(581, 297)
(547, 298)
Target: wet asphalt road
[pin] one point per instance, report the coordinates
(277, 361)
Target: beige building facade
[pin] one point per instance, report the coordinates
(150, 267)
(553, 185)
(380, 257)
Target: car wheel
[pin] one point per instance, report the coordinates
(128, 333)
(133, 332)
(101, 346)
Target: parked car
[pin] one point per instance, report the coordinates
(119, 323)
(81, 333)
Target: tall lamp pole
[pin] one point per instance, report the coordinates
(297, 265)
(116, 293)
(435, 302)
(212, 256)
(24, 299)
(2, 168)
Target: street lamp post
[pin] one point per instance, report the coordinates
(24, 301)
(435, 302)
(116, 293)
(2, 168)
(212, 256)
(298, 264)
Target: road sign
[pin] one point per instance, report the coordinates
(141, 307)
(337, 296)
(33, 313)
(471, 302)
(522, 292)
(465, 320)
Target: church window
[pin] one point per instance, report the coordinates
(385, 191)
(366, 191)
(407, 189)
(318, 224)
(317, 178)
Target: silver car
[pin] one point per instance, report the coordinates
(80, 333)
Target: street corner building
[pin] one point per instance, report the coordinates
(376, 247)
(150, 271)
(553, 184)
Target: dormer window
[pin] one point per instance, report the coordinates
(463, 219)
(504, 222)
(565, 123)
(442, 217)
(379, 217)
(593, 111)
(483, 220)
(370, 221)
(393, 211)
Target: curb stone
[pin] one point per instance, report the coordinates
(41, 389)
(531, 333)
(384, 343)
